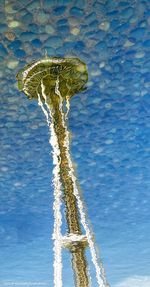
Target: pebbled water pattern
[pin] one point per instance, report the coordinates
(110, 130)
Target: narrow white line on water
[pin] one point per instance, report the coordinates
(57, 193)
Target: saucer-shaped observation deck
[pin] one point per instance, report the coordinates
(72, 74)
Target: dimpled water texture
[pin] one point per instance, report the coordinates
(109, 122)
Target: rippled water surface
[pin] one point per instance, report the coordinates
(110, 131)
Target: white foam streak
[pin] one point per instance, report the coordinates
(57, 194)
(100, 275)
(68, 107)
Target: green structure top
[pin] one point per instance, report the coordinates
(72, 74)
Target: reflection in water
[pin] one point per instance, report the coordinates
(53, 81)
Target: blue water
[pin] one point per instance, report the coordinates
(110, 127)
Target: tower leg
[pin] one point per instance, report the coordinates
(80, 266)
(78, 252)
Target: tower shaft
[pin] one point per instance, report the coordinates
(77, 250)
